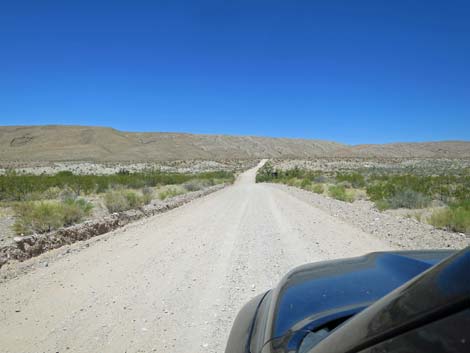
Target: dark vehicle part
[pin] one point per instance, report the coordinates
(369, 303)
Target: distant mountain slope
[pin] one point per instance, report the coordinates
(60, 143)
(57, 143)
(440, 149)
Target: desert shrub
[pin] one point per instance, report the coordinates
(169, 192)
(216, 178)
(446, 188)
(418, 216)
(212, 182)
(116, 201)
(122, 200)
(320, 179)
(290, 176)
(193, 185)
(382, 205)
(290, 181)
(74, 211)
(15, 187)
(67, 194)
(147, 195)
(456, 217)
(36, 217)
(408, 199)
(306, 184)
(415, 191)
(45, 216)
(34, 196)
(318, 188)
(52, 193)
(133, 199)
(338, 192)
(356, 180)
(441, 218)
(345, 184)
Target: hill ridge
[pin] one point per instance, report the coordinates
(77, 142)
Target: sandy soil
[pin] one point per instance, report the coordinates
(173, 282)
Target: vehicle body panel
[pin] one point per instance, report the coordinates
(447, 335)
(314, 295)
(239, 339)
(435, 294)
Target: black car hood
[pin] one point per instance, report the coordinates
(314, 296)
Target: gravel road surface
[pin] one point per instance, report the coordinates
(173, 282)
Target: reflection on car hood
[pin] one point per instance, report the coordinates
(313, 295)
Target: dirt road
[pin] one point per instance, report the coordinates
(173, 282)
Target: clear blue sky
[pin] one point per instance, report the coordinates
(351, 71)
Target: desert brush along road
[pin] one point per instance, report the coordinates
(173, 282)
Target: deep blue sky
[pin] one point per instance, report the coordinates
(351, 71)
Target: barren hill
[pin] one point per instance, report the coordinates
(57, 143)
(440, 149)
(60, 143)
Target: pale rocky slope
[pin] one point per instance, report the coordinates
(66, 143)
(59, 143)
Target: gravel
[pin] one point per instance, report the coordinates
(401, 232)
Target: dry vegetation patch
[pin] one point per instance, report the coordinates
(45, 202)
(442, 189)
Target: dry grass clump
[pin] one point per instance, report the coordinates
(198, 184)
(122, 200)
(148, 194)
(171, 191)
(318, 188)
(455, 218)
(404, 199)
(339, 192)
(44, 216)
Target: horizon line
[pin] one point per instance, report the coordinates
(236, 135)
